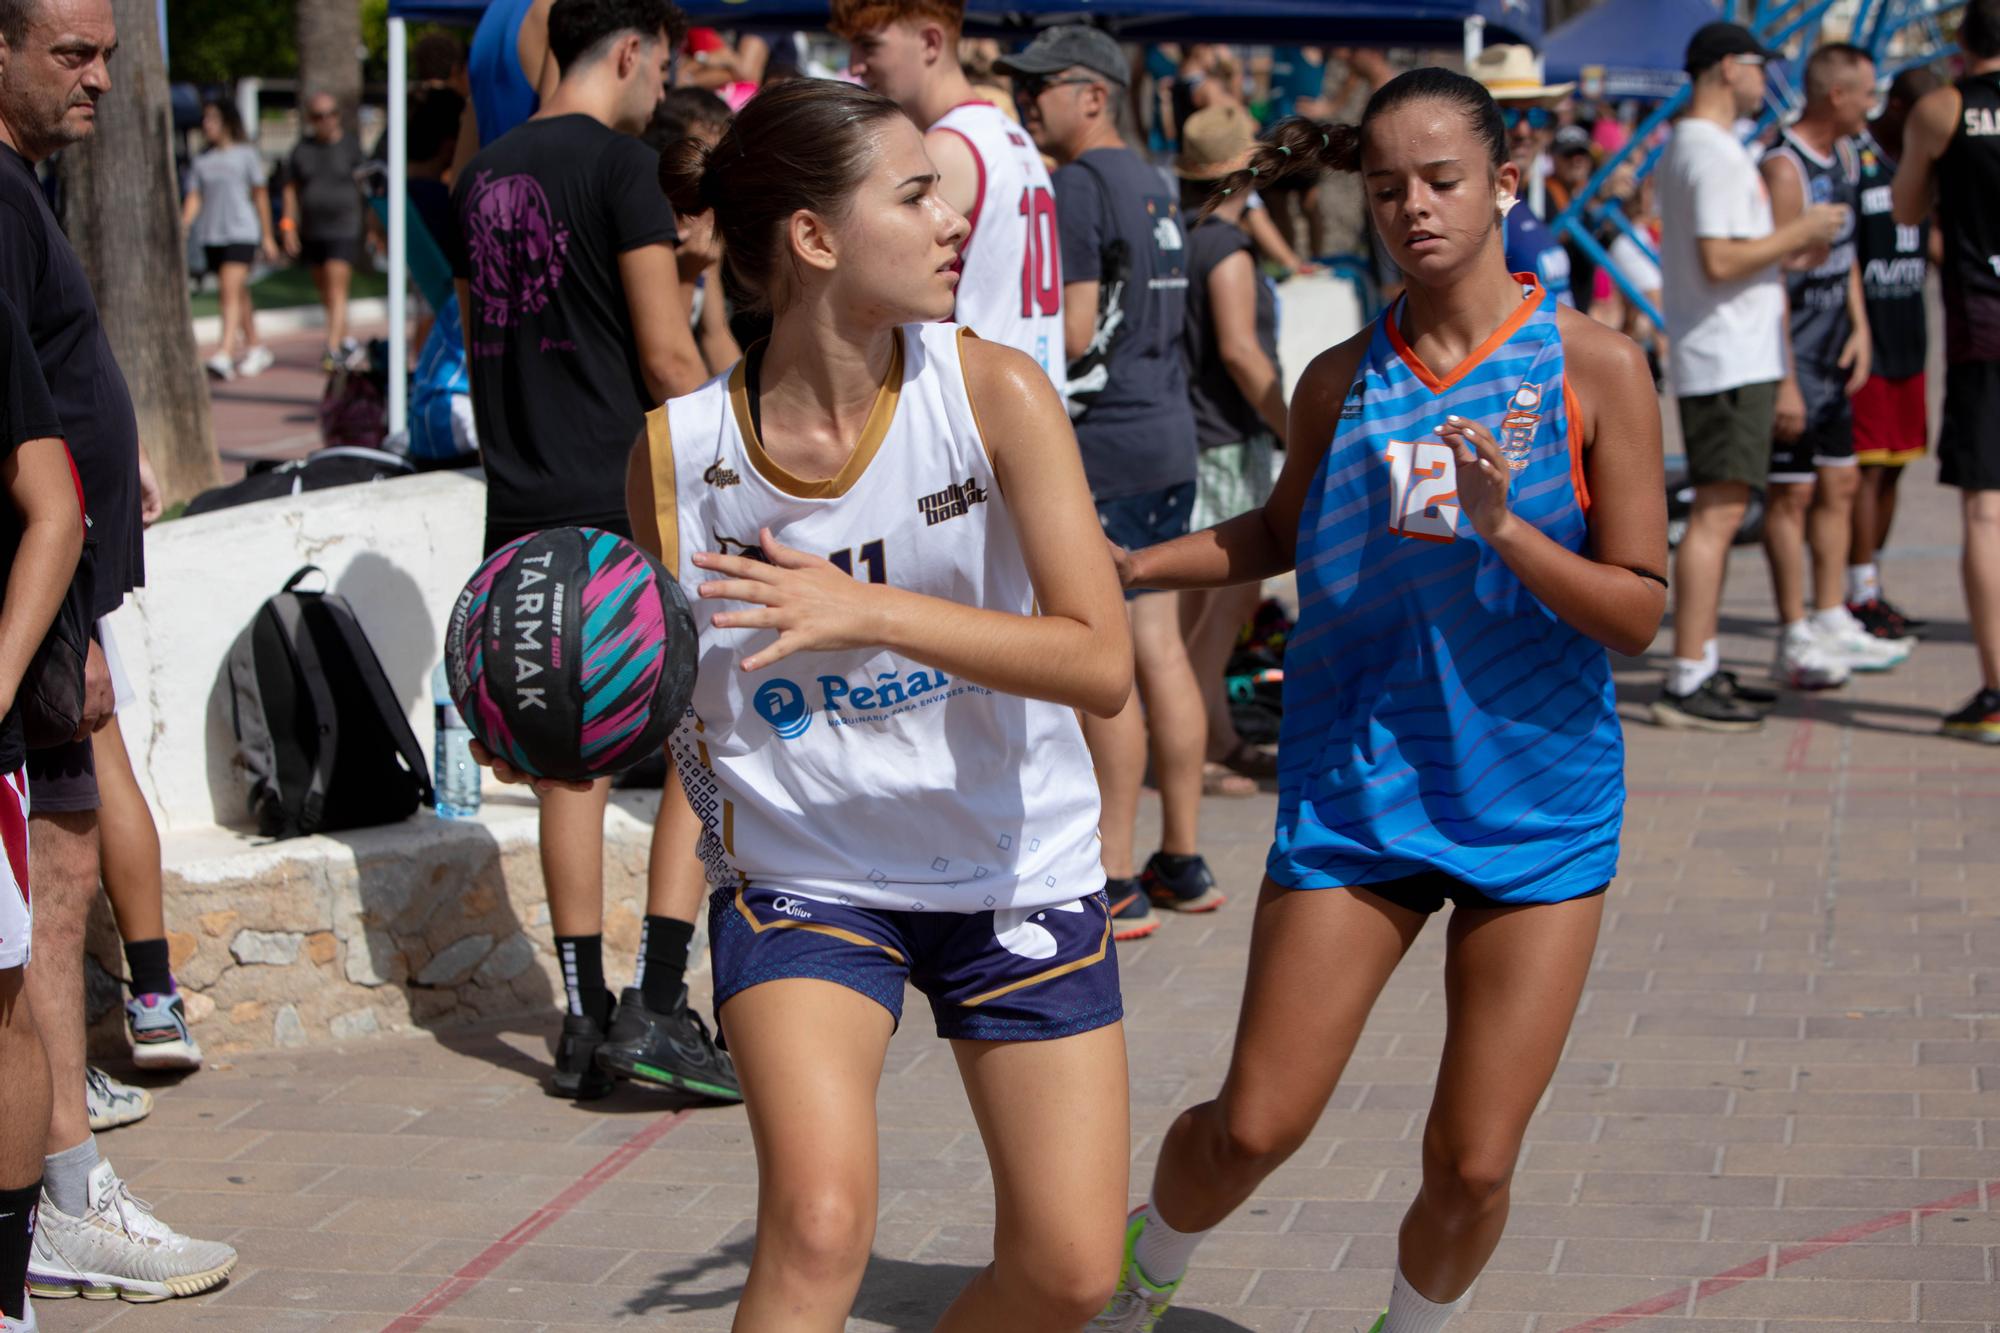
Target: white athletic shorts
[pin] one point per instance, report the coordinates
(17, 914)
(121, 686)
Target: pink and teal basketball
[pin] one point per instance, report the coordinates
(571, 654)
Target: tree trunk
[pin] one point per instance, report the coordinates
(121, 209)
(330, 56)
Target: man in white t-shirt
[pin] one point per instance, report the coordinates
(1725, 307)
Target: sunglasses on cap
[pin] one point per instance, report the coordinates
(1535, 117)
(1027, 90)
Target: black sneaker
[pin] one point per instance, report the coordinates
(1756, 696)
(1132, 916)
(1709, 707)
(577, 1076)
(1909, 623)
(1181, 884)
(672, 1049)
(1882, 620)
(1978, 721)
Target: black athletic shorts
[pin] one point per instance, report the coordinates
(1828, 439)
(218, 255)
(1969, 443)
(499, 534)
(1430, 891)
(317, 250)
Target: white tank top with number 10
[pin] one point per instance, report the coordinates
(1010, 287)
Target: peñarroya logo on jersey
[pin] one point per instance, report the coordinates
(782, 703)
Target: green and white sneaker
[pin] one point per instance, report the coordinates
(1138, 1304)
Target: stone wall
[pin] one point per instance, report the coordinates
(428, 923)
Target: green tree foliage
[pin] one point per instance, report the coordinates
(218, 41)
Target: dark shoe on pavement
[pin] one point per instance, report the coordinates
(1883, 620)
(1181, 884)
(1756, 696)
(1978, 721)
(577, 1076)
(1710, 706)
(1132, 916)
(672, 1049)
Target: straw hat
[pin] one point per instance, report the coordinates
(1214, 140)
(1514, 74)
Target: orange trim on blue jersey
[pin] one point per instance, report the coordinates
(1531, 301)
(1576, 481)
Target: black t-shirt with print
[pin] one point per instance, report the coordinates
(46, 282)
(26, 413)
(542, 214)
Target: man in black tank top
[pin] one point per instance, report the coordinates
(1813, 475)
(1951, 153)
(1891, 413)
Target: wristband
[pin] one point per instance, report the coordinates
(287, 224)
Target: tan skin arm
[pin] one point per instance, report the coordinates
(1797, 228)
(1079, 316)
(1232, 302)
(1077, 651)
(668, 357)
(1926, 134)
(37, 480)
(261, 198)
(1270, 241)
(958, 169)
(1788, 199)
(719, 348)
(1858, 352)
(292, 242)
(1596, 593)
(190, 208)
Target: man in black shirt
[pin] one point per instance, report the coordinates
(1124, 266)
(41, 535)
(1951, 154)
(53, 68)
(323, 217)
(575, 326)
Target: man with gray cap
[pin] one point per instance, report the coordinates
(1124, 302)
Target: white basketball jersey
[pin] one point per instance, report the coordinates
(864, 777)
(1010, 285)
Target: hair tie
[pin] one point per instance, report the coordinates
(1255, 170)
(1325, 141)
(1281, 148)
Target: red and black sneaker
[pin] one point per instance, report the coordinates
(1132, 916)
(1883, 620)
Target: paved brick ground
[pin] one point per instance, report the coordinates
(1775, 1112)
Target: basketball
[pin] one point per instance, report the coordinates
(571, 654)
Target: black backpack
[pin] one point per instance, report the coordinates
(317, 471)
(320, 733)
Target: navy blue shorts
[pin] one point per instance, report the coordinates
(990, 976)
(1136, 521)
(1430, 890)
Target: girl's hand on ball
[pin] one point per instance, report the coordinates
(506, 772)
(812, 603)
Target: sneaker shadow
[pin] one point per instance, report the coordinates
(900, 1294)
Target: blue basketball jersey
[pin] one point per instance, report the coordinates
(1437, 715)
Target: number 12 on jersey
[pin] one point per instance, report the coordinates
(1423, 490)
(1041, 255)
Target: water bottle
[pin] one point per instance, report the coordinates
(457, 777)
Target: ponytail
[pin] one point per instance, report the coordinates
(1293, 147)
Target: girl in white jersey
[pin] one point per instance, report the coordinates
(902, 597)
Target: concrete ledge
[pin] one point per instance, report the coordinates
(426, 924)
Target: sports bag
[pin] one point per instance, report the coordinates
(319, 732)
(317, 471)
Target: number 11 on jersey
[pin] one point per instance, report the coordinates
(1423, 490)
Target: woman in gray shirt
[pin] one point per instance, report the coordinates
(228, 214)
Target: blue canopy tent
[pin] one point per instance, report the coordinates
(1626, 48)
(1333, 22)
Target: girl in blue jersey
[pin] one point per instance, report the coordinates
(1473, 500)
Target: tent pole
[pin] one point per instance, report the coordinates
(1475, 38)
(399, 226)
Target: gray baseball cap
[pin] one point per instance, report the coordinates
(1069, 45)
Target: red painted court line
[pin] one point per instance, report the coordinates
(449, 1291)
(1762, 1267)
(1795, 756)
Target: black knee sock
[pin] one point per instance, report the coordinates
(663, 960)
(582, 958)
(17, 1233)
(147, 960)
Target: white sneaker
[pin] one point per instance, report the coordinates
(1846, 640)
(255, 361)
(26, 1323)
(221, 366)
(1804, 663)
(119, 1249)
(113, 1103)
